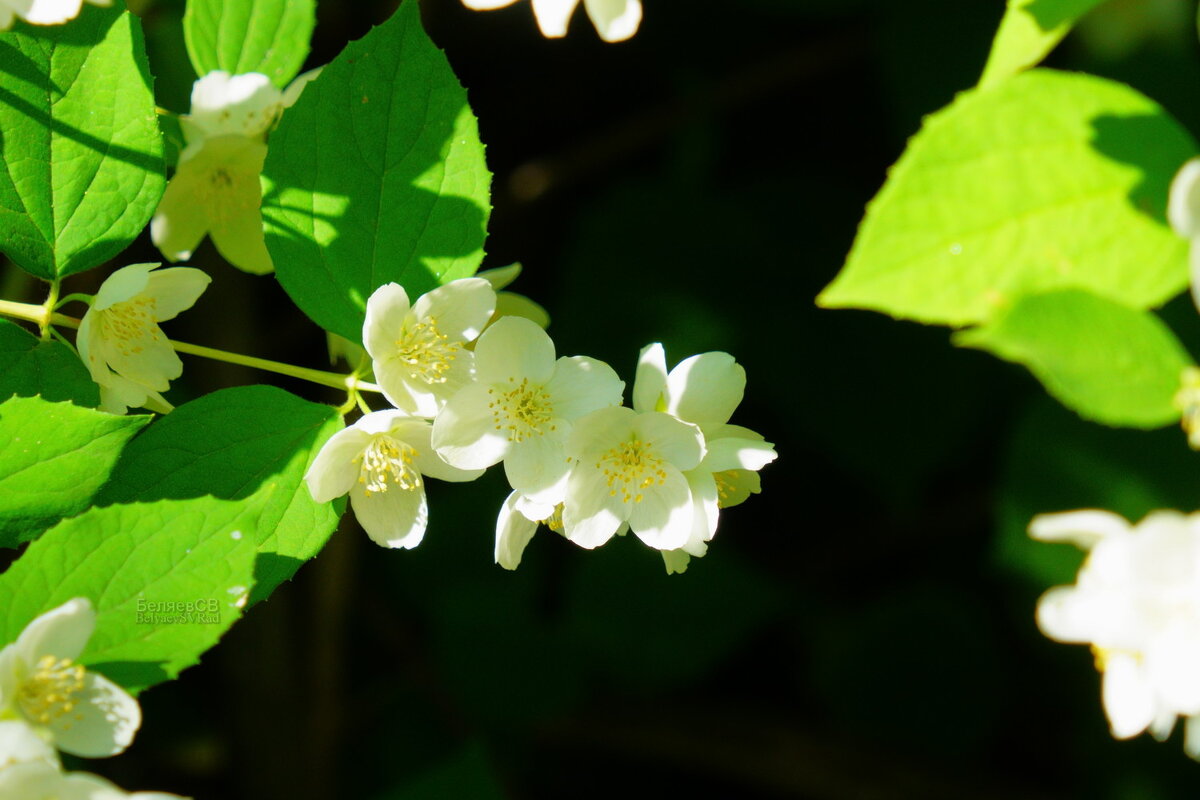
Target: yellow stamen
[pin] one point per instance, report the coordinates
(629, 468)
(523, 411)
(428, 353)
(52, 690)
(387, 462)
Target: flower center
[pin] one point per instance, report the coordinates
(51, 691)
(386, 462)
(428, 353)
(630, 468)
(128, 324)
(554, 521)
(524, 411)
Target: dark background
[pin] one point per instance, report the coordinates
(862, 629)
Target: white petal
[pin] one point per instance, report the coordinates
(1191, 737)
(615, 20)
(1082, 528)
(513, 533)
(386, 421)
(460, 308)
(650, 381)
(61, 632)
(147, 359)
(537, 467)
(48, 12)
(1183, 204)
(334, 470)
(736, 486)
(1174, 667)
(102, 724)
(387, 310)
(179, 222)
(1069, 614)
(511, 304)
(175, 289)
(553, 16)
(21, 744)
(581, 385)
(677, 442)
(296, 88)
(705, 389)
(35, 780)
(663, 519)
(705, 509)
(487, 5)
(533, 510)
(1194, 266)
(676, 561)
(514, 348)
(245, 105)
(1128, 696)
(464, 432)
(395, 518)
(124, 284)
(594, 433)
(730, 453)
(6, 17)
(88, 342)
(501, 276)
(405, 392)
(591, 515)
(239, 237)
(419, 435)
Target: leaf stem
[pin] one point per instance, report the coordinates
(48, 309)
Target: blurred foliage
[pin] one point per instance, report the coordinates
(864, 628)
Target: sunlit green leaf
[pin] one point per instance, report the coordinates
(1029, 31)
(239, 36)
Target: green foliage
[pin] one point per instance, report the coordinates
(1029, 31)
(466, 774)
(53, 459)
(120, 557)
(376, 174)
(31, 367)
(1110, 363)
(250, 443)
(239, 36)
(1049, 180)
(82, 163)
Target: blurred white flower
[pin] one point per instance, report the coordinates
(20, 743)
(615, 20)
(418, 350)
(119, 339)
(40, 683)
(42, 12)
(1136, 601)
(705, 390)
(628, 467)
(1183, 212)
(38, 780)
(521, 407)
(381, 461)
(216, 188)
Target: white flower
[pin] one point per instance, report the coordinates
(418, 351)
(615, 20)
(20, 743)
(521, 407)
(1183, 212)
(517, 523)
(629, 467)
(216, 188)
(35, 781)
(1137, 602)
(705, 390)
(42, 12)
(85, 713)
(381, 460)
(119, 339)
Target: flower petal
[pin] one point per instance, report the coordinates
(1082, 528)
(705, 389)
(537, 467)
(663, 519)
(514, 348)
(677, 442)
(387, 310)
(591, 516)
(296, 88)
(1183, 203)
(511, 304)
(394, 518)
(581, 385)
(124, 284)
(615, 20)
(419, 436)
(239, 237)
(553, 16)
(245, 105)
(461, 309)
(1069, 614)
(487, 5)
(179, 222)
(650, 381)
(48, 12)
(730, 453)
(705, 509)
(175, 289)
(513, 533)
(334, 471)
(103, 723)
(676, 561)
(464, 432)
(1128, 696)
(61, 632)
(21, 744)
(594, 433)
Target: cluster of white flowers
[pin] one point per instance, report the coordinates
(472, 389)
(42, 12)
(216, 189)
(615, 20)
(49, 702)
(1136, 601)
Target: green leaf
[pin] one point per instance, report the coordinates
(1049, 180)
(53, 459)
(1108, 362)
(1029, 31)
(82, 168)
(31, 367)
(239, 36)
(127, 558)
(247, 442)
(376, 174)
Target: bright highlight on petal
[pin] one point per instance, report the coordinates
(614, 20)
(42, 684)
